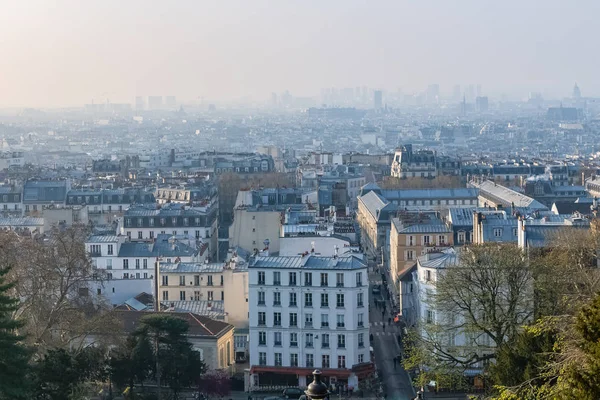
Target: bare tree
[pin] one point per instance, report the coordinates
(479, 303)
(52, 278)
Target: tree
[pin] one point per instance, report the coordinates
(176, 362)
(132, 363)
(63, 374)
(52, 283)
(484, 300)
(14, 356)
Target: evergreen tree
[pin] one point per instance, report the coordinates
(14, 356)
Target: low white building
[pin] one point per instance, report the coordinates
(24, 225)
(308, 312)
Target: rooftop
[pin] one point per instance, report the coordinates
(308, 262)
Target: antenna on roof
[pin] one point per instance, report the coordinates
(335, 251)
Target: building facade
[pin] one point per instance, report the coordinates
(308, 312)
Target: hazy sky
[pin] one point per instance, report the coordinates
(59, 53)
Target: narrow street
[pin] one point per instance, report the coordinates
(397, 384)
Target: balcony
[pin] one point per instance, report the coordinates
(276, 283)
(95, 254)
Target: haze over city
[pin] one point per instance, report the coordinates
(59, 53)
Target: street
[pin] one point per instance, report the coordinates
(397, 384)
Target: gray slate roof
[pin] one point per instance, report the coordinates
(307, 262)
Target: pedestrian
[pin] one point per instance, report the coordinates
(395, 362)
(384, 326)
(383, 313)
(389, 321)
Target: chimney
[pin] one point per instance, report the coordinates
(335, 251)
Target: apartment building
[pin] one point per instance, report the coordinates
(414, 236)
(122, 258)
(413, 164)
(308, 312)
(10, 201)
(188, 285)
(148, 221)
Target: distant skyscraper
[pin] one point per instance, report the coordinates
(470, 93)
(139, 103)
(433, 93)
(378, 99)
(456, 93)
(155, 102)
(479, 92)
(576, 92)
(481, 104)
(170, 101)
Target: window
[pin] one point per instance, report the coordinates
(293, 360)
(261, 298)
(361, 358)
(426, 240)
(125, 276)
(442, 240)
(196, 295)
(125, 264)
(262, 358)
(276, 299)
(277, 319)
(277, 338)
(359, 279)
(145, 263)
(410, 255)
(165, 280)
(262, 318)
(361, 321)
(222, 280)
(325, 361)
(308, 320)
(339, 300)
(165, 295)
(210, 295)
(341, 361)
(515, 231)
(278, 359)
(262, 338)
(430, 316)
(182, 280)
(209, 280)
(137, 263)
(222, 295)
(293, 300)
(276, 278)
(137, 275)
(324, 279)
(293, 319)
(307, 299)
(307, 279)
(196, 280)
(497, 232)
(151, 234)
(324, 300)
(361, 340)
(339, 280)
(310, 361)
(309, 340)
(359, 300)
(341, 341)
(292, 279)
(150, 221)
(325, 341)
(110, 249)
(293, 339)
(140, 235)
(197, 234)
(109, 264)
(340, 321)
(324, 320)
(261, 277)
(427, 276)
(461, 237)
(182, 295)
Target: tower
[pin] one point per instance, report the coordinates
(576, 92)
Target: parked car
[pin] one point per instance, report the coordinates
(292, 393)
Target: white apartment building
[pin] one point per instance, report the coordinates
(308, 312)
(121, 258)
(211, 286)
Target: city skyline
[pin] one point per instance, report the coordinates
(235, 50)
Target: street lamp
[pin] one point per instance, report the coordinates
(317, 390)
